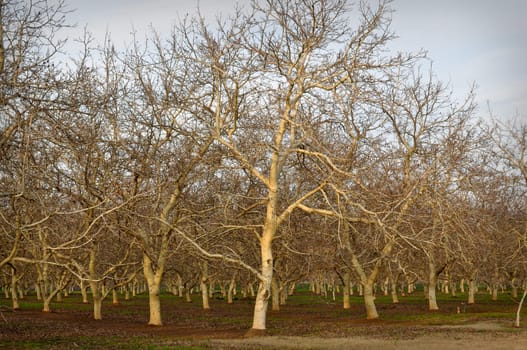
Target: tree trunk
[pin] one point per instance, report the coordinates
(514, 286)
(432, 286)
(518, 312)
(188, 297)
(115, 297)
(264, 288)
(232, 289)
(97, 306)
(14, 295)
(204, 286)
(369, 301)
(282, 286)
(494, 292)
(275, 290)
(84, 292)
(205, 295)
(153, 280)
(59, 296)
(471, 291)
(37, 290)
(393, 287)
(346, 304)
(127, 292)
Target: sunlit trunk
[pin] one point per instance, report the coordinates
(204, 285)
(84, 292)
(514, 286)
(494, 292)
(153, 280)
(369, 301)
(264, 288)
(59, 296)
(46, 307)
(14, 295)
(518, 311)
(495, 284)
(432, 286)
(393, 287)
(232, 290)
(471, 291)
(188, 297)
(205, 296)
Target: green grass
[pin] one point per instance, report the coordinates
(412, 309)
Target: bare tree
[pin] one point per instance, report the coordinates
(511, 146)
(29, 79)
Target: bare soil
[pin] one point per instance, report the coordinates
(308, 322)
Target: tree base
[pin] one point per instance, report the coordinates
(253, 332)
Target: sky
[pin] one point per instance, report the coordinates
(469, 41)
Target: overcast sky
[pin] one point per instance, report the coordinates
(481, 41)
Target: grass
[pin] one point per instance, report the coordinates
(322, 312)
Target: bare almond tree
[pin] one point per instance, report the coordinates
(511, 146)
(28, 78)
(271, 81)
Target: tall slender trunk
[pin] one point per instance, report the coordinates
(394, 281)
(14, 294)
(369, 300)
(264, 288)
(153, 279)
(282, 286)
(97, 305)
(84, 292)
(432, 286)
(495, 284)
(514, 286)
(471, 291)
(232, 289)
(95, 287)
(188, 297)
(37, 290)
(115, 297)
(518, 311)
(275, 292)
(204, 285)
(346, 304)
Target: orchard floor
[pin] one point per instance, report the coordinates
(306, 322)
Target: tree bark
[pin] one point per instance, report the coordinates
(432, 286)
(115, 297)
(369, 301)
(264, 288)
(14, 295)
(204, 286)
(153, 279)
(84, 292)
(275, 290)
(471, 291)
(393, 287)
(518, 312)
(346, 304)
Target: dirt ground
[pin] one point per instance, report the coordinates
(310, 322)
